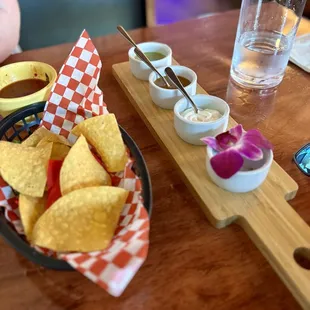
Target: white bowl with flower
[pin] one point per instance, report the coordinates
(238, 160)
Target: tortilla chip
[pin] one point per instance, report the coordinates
(52, 137)
(30, 209)
(25, 168)
(83, 220)
(103, 133)
(43, 133)
(59, 150)
(36, 137)
(61, 146)
(80, 169)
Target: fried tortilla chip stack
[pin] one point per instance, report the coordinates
(84, 218)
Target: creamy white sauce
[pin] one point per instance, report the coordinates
(203, 116)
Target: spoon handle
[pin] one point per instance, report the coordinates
(126, 35)
(175, 80)
(141, 55)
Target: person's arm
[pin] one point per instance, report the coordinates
(9, 27)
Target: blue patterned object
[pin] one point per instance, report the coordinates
(302, 159)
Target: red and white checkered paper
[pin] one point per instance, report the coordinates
(75, 97)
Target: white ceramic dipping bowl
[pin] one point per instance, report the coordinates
(167, 98)
(242, 181)
(139, 69)
(191, 132)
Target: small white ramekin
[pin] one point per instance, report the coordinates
(167, 98)
(242, 181)
(139, 69)
(191, 132)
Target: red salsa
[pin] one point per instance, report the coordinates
(22, 88)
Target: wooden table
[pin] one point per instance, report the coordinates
(191, 265)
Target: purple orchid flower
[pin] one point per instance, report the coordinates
(233, 147)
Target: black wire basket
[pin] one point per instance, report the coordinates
(17, 127)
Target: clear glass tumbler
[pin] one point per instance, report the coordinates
(264, 39)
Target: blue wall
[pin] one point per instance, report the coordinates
(50, 22)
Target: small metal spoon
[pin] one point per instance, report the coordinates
(175, 80)
(126, 35)
(140, 54)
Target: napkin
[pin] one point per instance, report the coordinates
(300, 54)
(74, 97)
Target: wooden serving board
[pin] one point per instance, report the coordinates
(275, 227)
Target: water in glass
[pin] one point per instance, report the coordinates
(265, 35)
(260, 58)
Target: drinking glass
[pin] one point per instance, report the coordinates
(264, 39)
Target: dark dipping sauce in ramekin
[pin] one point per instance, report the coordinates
(22, 88)
(184, 81)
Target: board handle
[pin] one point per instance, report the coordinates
(284, 239)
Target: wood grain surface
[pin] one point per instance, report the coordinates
(191, 265)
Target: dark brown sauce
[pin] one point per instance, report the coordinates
(184, 81)
(22, 88)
